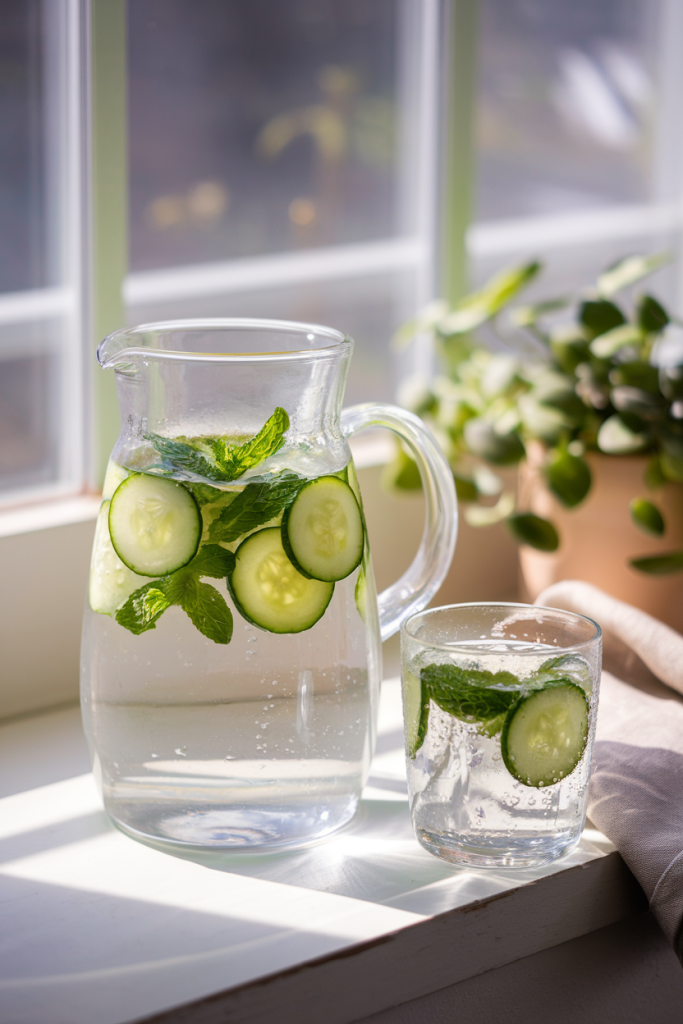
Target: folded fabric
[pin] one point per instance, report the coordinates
(636, 788)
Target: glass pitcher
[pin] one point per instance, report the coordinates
(231, 657)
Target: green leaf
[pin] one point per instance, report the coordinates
(615, 438)
(528, 316)
(659, 565)
(256, 505)
(566, 666)
(235, 460)
(653, 476)
(569, 345)
(671, 453)
(483, 440)
(651, 315)
(672, 466)
(229, 461)
(568, 477)
(205, 494)
(401, 473)
(637, 402)
(599, 316)
(212, 560)
(609, 343)
(542, 421)
(647, 517)
(671, 382)
(477, 308)
(530, 529)
(637, 374)
(144, 607)
(182, 456)
(488, 515)
(207, 609)
(465, 488)
(469, 694)
(629, 270)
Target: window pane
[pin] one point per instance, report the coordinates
(41, 358)
(22, 180)
(569, 101)
(29, 411)
(260, 127)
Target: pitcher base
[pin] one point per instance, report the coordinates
(230, 828)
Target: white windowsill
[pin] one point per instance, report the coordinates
(44, 515)
(101, 928)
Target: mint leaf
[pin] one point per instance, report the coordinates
(469, 694)
(145, 606)
(229, 461)
(212, 560)
(200, 601)
(182, 455)
(206, 608)
(257, 504)
(205, 494)
(236, 460)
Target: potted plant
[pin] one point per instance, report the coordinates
(585, 397)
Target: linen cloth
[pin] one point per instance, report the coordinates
(636, 787)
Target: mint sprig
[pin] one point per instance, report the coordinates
(201, 602)
(215, 458)
(257, 504)
(478, 697)
(469, 694)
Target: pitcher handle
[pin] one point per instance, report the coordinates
(417, 586)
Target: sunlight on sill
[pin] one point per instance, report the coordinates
(48, 514)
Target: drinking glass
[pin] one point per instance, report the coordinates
(500, 703)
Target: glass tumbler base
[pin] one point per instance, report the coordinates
(496, 851)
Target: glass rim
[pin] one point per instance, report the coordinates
(121, 343)
(405, 627)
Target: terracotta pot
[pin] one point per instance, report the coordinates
(598, 537)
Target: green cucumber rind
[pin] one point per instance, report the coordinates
(253, 622)
(166, 571)
(286, 543)
(288, 547)
(509, 718)
(415, 733)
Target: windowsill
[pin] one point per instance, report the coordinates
(103, 928)
(48, 514)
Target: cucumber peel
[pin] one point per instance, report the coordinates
(322, 530)
(269, 591)
(415, 711)
(154, 524)
(545, 733)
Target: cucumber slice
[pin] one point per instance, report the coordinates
(112, 478)
(269, 591)
(415, 711)
(154, 524)
(360, 594)
(545, 733)
(322, 530)
(111, 582)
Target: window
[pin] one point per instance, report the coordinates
(283, 164)
(42, 433)
(578, 147)
(284, 159)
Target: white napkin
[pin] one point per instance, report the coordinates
(636, 788)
